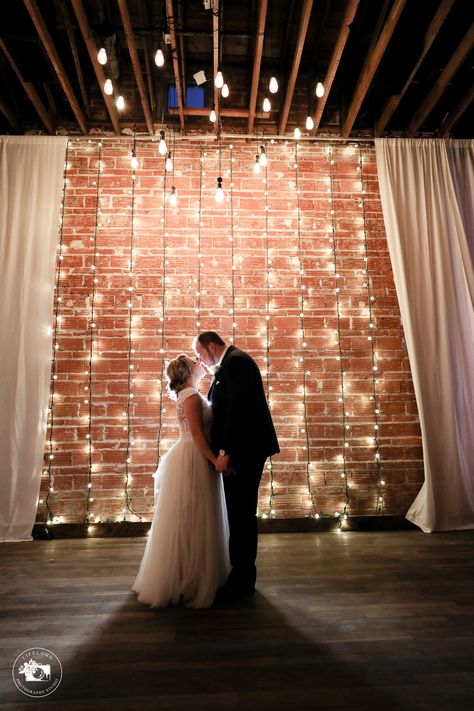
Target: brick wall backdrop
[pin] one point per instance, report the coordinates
(266, 251)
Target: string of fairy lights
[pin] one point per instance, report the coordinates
(88, 388)
(379, 507)
(128, 504)
(268, 263)
(55, 343)
(342, 517)
(303, 342)
(303, 355)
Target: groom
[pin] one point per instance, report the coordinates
(243, 436)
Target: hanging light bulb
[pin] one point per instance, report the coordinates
(263, 157)
(108, 88)
(159, 58)
(219, 80)
(102, 56)
(212, 116)
(169, 163)
(120, 103)
(134, 161)
(273, 86)
(225, 91)
(162, 147)
(309, 123)
(319, 90)
(297, 133)
(266, 105)
(256, 165)
(219, 194)
(173, 197)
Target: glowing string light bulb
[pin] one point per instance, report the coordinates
(297, 133)
(319, 90)
(266, 105)
(263, 157)
(219, 80)
(219, 194)
(159, 58)
(134, 160)
(169, 163)
(273, 86)
(108, 87)
(212, 116)
(225, 91)
(102, 56)
(309, 123)
(256, 165)
(173, 197)
(120, 103)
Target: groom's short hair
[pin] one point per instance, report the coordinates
(208, 337)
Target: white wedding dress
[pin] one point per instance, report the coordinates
(186, 557)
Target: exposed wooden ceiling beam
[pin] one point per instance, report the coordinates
(303, 29)
(430, 35)
(334, 62)
(371, 65)
(453, 117)
(86, 31)
(145, 22)
(75, 54)
(31, 92)
(215, 52)
(174, 53)
(182, 49)
(262, 15)
(457, 59)
(53, 56)
(10, 115)
(132, 48)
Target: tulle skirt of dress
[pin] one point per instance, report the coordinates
(186, 557)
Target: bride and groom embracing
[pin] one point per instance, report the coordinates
(202, 544)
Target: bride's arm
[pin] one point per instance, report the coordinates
(193, 412)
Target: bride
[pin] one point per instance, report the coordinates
(186, 556)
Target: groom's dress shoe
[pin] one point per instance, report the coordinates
(233, 591)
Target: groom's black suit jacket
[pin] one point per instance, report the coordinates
(242, 424)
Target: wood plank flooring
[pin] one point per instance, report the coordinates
(354, 621)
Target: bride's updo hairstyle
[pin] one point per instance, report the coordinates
(177, 372)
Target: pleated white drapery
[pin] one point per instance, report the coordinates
(427, 191)
(31, 174)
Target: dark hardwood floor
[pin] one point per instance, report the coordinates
(355, 621)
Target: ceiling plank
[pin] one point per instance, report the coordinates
(174, 53)
(335, 60)
(262, 15)
(145, 22)
(457, 59)
(303, 29)
(53, 55)
(371, 65)
(10, 115)
(86, 31)
(31, 92)
(430, 35)
(453, 117)
(132, 48)
(74, 51)
(46, 39)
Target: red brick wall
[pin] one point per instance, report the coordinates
(270, 248)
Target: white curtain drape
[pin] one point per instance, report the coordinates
(427, 191)
(31, 174)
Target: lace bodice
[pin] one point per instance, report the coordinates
(206, 413)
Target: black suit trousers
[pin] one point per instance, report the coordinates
(241, 493)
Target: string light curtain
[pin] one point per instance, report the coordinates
(31, 182)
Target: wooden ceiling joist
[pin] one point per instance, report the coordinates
(454, 64)
(454, 116)
(86, 32)
(431, 33)
(215, 51)
(174, 53)
(9, 115)
(75, 54)
(145, 22)
(262, 15)
(53, 56)
(303, 29)
(226, 113)
(371, 65)
(132, 48)
(334, 62)
(31, 92)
